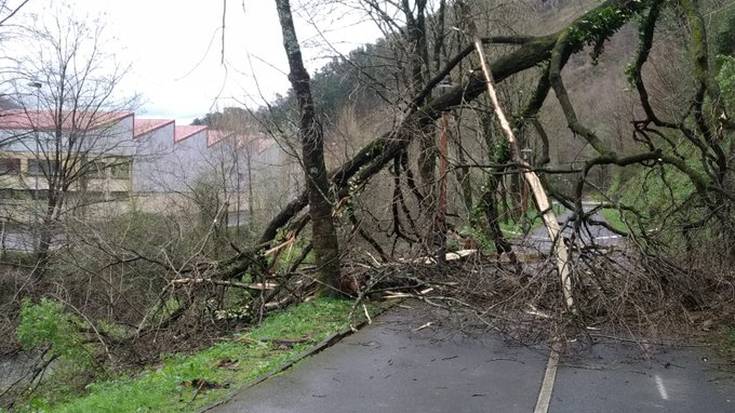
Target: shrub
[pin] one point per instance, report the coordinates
(46, 324)
(726, 79)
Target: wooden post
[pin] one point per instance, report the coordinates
(539, 194)
(443, 167)
(440, 220)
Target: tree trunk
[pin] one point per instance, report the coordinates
(463, 174)
(440, 219)
(418, 59)
(45, 236)
(489, 198)
(324, 235)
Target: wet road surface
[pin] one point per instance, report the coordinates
(391, 366)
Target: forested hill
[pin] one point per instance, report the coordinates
(371, 79)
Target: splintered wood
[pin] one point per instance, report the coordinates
(539, 194)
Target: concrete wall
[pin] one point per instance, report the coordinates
(152, 150)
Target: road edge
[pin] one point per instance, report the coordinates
(316, 349)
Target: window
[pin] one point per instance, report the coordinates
(41, 167)
(96, 169)
(9, 166)
(121, 169)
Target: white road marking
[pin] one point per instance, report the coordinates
(661, 388)
(595, 238)
(547, 387)
(610, 237)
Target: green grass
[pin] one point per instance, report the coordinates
(231, 363)
(614, 218)
(656, 194)
(731, 338)
(290, 254)
(728, 342)
(723, 340)
(26, 259)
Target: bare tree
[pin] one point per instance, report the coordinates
(239, 136)
(324, 234)
(78, 127)
(10, 8)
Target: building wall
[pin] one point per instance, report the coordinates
(162, 166)
(107, 145)
(163, 173)
(152, 150)
(268, 170)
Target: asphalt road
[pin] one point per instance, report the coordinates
(391, 366)
(616, 377)
(538, 239)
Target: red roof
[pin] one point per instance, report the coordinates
(216, 135)
(183, 132)
(45, 120)
(258, 142)
(261, 144)
(143, 126)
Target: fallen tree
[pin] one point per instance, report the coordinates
(379, 153)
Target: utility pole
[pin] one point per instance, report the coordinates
(36, 156)
(440, 219)
(440, 222)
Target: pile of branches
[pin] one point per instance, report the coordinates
(619, 292)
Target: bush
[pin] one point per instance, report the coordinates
(46, 324)
(724, 32)
(726, 79)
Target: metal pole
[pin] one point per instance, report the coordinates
(238, 191)
(34, 194)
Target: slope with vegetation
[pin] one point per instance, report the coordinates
(180, 382)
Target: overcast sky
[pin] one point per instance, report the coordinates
(174, 47)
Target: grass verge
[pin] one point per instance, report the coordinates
(724, 341)
(186, 383)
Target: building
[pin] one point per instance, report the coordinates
(108, 163)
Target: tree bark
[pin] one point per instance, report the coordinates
(489, 197)
(324, 235)
(463, 173)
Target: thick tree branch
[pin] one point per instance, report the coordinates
(377, 154)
